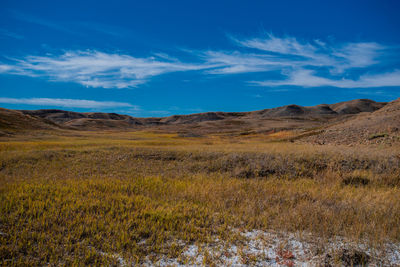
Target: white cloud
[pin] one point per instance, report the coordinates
(356, 55)
(97, 69)
(317, 54)
(288, 45)
(237, 62)
(307, 78)
(5, 68)
(67, 103)
(292, 57)
(301, 60)
(296, 59)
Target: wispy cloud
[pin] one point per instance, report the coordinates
(40, 21)
(316, 53)
(67, 103)
(237, 62)
(4, 68)
(288, 45)
(70, 27)
(96, 69)
(301, 63)
(7, 33)
(307, 78)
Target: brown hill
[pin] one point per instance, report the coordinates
(85, 121)
(380, 126)
(348, 107)
(295, 110)
(200, 117)
(12, 121)
(357, 106)
(263, 121)
(77, 119)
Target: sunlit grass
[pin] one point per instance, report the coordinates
(78, 199)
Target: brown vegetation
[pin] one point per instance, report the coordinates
(379, 127)
(73, 197)
(137, 194)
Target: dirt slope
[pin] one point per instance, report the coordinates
(295, 110)
(12, 121)
(380, 126)
(357, 106)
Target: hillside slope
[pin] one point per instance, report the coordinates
(357, 106)
(12, 121)
(380, 126)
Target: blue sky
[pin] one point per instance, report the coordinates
(158, 58)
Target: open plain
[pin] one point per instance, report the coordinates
(157, 196)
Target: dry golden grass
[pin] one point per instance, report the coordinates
(78, 199)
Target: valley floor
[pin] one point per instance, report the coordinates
(142, 198)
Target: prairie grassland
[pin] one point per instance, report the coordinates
(81, 199)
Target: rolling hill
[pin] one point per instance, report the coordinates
(290, 117)
(12, 121)
(380, 126)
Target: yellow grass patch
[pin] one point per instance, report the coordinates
(80, 199)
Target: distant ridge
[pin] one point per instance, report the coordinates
(104, 120)
(295, 110)
(288, 117)
(357, 106)
(348, 107)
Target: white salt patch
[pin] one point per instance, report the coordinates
(261, 248)
(275, 249)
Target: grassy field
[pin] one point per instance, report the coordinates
(135, 197)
